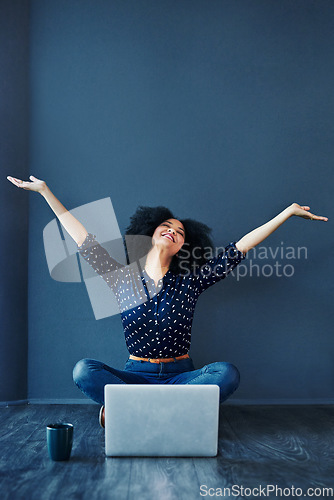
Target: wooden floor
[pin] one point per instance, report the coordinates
(283, 446)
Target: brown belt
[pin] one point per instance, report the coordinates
(159, 360)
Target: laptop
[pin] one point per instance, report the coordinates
(153, 420)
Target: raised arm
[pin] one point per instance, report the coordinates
(74, 228)
(250, 240)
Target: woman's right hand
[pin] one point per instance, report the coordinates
(35, 185)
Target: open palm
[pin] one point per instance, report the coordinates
(303, 211)
(35, 185)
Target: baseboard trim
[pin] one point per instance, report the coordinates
(236, 402)
(17, 402)
(76, 401)
(229, 402)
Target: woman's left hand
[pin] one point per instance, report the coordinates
(303, 211)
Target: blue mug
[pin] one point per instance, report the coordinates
(59, 438)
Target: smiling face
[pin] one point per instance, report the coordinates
(170, 234)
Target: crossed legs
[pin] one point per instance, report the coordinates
(91, 376)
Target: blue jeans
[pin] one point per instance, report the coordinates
(91, 376)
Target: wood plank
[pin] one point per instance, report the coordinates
(258, 445)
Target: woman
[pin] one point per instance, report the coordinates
(157, 303)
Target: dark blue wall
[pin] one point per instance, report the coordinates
(14, 61)
(222, 111)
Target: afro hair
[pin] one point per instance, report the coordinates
(144, 222)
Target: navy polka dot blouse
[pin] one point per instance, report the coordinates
(157, 320)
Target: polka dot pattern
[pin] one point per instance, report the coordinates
(157, 320)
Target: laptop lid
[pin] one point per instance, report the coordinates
(161, 420)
